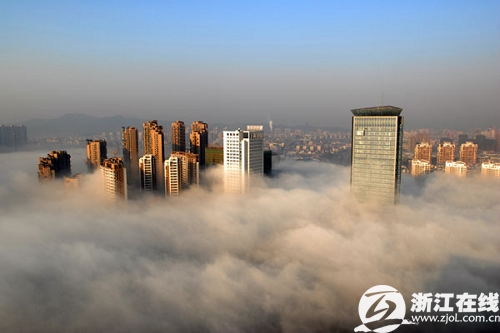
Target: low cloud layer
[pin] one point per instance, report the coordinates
(294, 255)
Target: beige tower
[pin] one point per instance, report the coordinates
(445, 153)
(57, 164)
(423, 152)
(190, 168)
(114, 178)
(96, 154)
(468, 153)
(153, 145)
(178, 136)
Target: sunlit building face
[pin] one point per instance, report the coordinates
(377, 137)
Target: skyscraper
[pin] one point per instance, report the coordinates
(377, 138)
(243, 158)
(131, 154)
(57, 164)
(178, 136)
(468, 153)
(114, 178)
(13, 135)
(423, 152)
(445, 153)
(153, 144)
(190, 168)
(96, 153)
(147, 169)
(173, 176)
(198, 140)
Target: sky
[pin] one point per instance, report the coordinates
(230, 61)
(294, 255)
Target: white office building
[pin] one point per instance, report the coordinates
(173, 176)
(243, 158)
(148, 172)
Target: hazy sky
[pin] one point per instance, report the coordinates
(294, 255)
(293, 61)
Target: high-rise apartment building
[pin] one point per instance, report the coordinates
(468, 153)
(377, 139)
(243, 158)
(57, 164)
(490, 169)
(153, 145)
(173, 176)
(419, 168)
(114, 178)
(131, 154)
(147, 167)
(198, 140)
(456, 168)
(96, 154)
(13, 135)
(423, 152)
(445, 153)
(190, 168)
(178, 136)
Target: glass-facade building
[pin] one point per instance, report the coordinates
(377, 139)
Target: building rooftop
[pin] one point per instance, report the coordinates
(386, 110)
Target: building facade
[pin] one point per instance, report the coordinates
(458, 168)
(420, 168)
(178, 136)
(96, 153)
(114, 179)
(423, 152)
(377, 139)
(130, 145)
(243, 158)
(198, 140)
(147, 171)
(57, 164)
(173, 176)
(490, 169)
(190, 168)
(153, 145)
(13, 135)
(445, 153)
(468, 153)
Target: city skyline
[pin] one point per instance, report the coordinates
(292, 62)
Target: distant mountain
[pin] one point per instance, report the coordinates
(78, 124)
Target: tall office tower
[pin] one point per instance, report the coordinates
(243, 158)
(456, 168)
(178, 136)
(419, 168)
(96, 153)
(377, 140)
(490, 169)
(445, 153)
(57, 164)
(423, 152)
(190, 168)
(198, 140)
(468, 153)
(173, 176)
(114, 178)
(153, 144)
(131, 154)
(147, 167)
